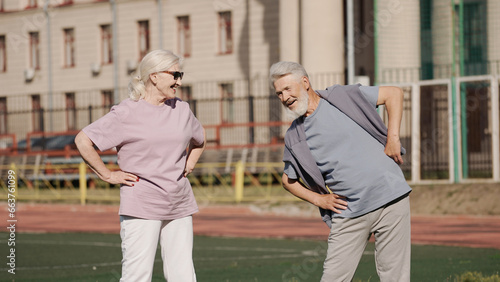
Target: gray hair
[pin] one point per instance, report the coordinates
(154, 61)
(281, 69)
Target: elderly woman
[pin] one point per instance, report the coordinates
(158, 142)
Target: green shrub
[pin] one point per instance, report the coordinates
(476, 277)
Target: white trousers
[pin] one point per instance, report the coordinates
(140, 241)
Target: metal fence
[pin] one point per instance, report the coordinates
(478, 133)
(450, 127)
(212, 182)
(237, 112)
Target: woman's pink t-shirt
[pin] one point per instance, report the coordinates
(151, 142)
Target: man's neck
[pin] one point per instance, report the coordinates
(313, 102)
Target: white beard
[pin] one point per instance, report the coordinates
(301, 108)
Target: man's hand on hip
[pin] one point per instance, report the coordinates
(331, 202)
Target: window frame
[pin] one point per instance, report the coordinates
(69, 39)
(107, 99)
(225, 32)
(106, 41)
(3, 53)
(32, 4)
(36, 113)
(144, 33)
(34, 38)
(70, 101)
(227, 102)
(184, 43)
(4, 129)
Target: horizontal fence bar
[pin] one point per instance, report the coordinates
(243, 182)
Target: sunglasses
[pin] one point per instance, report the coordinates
(176, 74)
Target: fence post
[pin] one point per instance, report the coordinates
(90, 114)
(416, 153)
(495, 99)
(82, 168)
(251, 129)
(239, 179)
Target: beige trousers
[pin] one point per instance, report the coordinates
(349, 236)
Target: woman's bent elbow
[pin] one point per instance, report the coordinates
(82, 141)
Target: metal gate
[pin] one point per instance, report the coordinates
(478, 133)
(425, 131)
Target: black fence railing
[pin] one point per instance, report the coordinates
(239, 121)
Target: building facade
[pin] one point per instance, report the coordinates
(64, 63)
(67, 56)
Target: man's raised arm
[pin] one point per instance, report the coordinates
(392, 98)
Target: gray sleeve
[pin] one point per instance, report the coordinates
(370, 93)
(290, 171)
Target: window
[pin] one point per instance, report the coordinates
(3, 54)
(183, 36)
(185, 92)
(69, 47)
(107, 99)
(37, 113)
(227, 103)
(475, 38)
(31, 4)
(225, 33)
(426, 52)
(143, 38)
(34, 50)
(3, 115)
(70, 111)
(473, 56)
(106, 43)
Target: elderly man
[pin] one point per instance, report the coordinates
(348, 161)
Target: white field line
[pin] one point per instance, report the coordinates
(73, 243)
(285, 253)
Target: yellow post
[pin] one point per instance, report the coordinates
(239, 179)
(83, 182)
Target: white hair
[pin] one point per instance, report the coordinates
(154, 61)
(281, 69)
(301, 108)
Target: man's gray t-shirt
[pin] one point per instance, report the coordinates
(352, 162)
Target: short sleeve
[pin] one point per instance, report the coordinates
(197, 130)
(105, 132)
(289, 170)
(370, 93)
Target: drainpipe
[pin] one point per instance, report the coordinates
(350, 42)
(375, 42)
(160, 25)
(116, 95)
(300, 31)
(455, 177)
(463, 94)
(49, 64)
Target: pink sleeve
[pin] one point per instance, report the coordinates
(105, 132)
(198, 136)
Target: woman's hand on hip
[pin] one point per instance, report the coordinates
(188, 169)
(121, 177)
